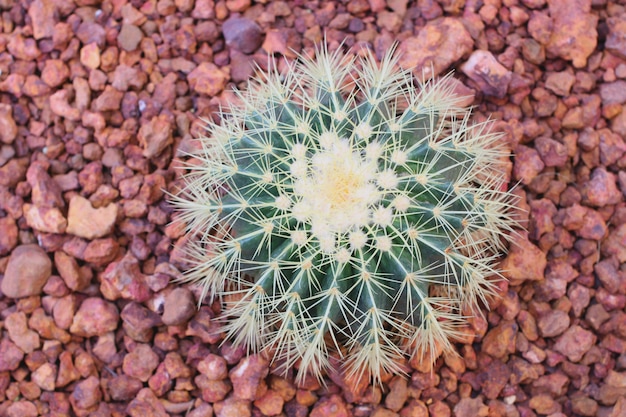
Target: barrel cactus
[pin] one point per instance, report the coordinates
(342, 209)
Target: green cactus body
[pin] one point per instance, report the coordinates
(332, 202)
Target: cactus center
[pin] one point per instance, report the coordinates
(337, 192)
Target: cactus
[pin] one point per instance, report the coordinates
(343, 209)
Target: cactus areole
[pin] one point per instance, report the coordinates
(343, 209)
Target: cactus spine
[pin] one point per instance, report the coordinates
(343, 208)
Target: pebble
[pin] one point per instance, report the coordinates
(43, 16)
(330, 406)
(45, 219)
(553, 323)
(155, 136)
(179, 307)
(575, 342)
(616, 38)
(484, 69)
(247, 376)
(17, 326)
(500, 341)
(27, 272)
(438, 44)
(574, 35)
(141, 362)
(95, 317)
(232, 407)
(8, 127)
(525, 261)
(8, 235)
(129, 37)
(86, 394)
(601, 189)
(242, 34)
(207, 79)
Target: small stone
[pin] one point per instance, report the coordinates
(8, 235)
(45, 219)
(214, 367)
(27, 272)
(155, 136)
(471, 407)
(232, 407)
(17, 326)
(528, 164)
(44, 377)
(42, 15)
(179, 307)
(21, 408)
(146, 404)
(101, 251)
(247, 376)
(10, 355)
(139, 322)
(69, 270)
(544, 404)
(574, 343)
(560, 83)
(616, 38)
(500, 340)
(88, 222)
(553, 323)
(331, 406)
(60, 106)
(552, 152)
(398, 394)
(141, 362)
(67, 371)
(90, 56)
(207, 79)
(270, 404)
(584, 406)
(484, 69)
(55, 72)
(123, 279)
(242, 34)
(601, 189)
(109, 100)
(129, 37)
(86, 394)
(440, 43)
(8, 127)
(123, 387)
(95, 317)
(574, 35)
(525, 261)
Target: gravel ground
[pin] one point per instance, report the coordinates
(98, 103)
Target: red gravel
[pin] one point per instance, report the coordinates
(99, 101)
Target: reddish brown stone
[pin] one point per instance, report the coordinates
(156, 135)
(247, 376)
(575, 342)
(8, 128)
(27, 271)
(101, 251)
(95, 317)
(17, 326)
(333, 405)
(207, 79)
(10, 355)
(574, 35)
(123, 279)
(141, 362)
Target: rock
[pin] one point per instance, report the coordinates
(95, 317)
(44, 376)
(553, 323)
(528, 164)
(22, 408)
(616, 38)
(398, 394)
(613, 93)
(544, 404)
(101, 251)
(207, 79)
(10, 355)
(280, 41)
(55, 73)
(8, 235)
(17, 326)
(109, 99)
(213, 367)
(331, 406)
(27, 272)
(270, 404)
(69, 270)
(584, 406)
(552, 152)
(601, 189)
(88, 222)
(574, 34)
(67, 371)
(440, 43)
(90, 56)
(242, 34)
(232, 407)
(484, 69)
(155, 135)
(42, 15)
(141, 362)
(139, 322)
(146, 405)
(525, 261)
(129, 37)
(8, 128)
(247, 376)
(560, 83)
(500, 340)
(45, 219)
(575, 342)
(471, 407)
(123, 387)
(86, 394)
(60, 106)
(179, 307)
(123, 279)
